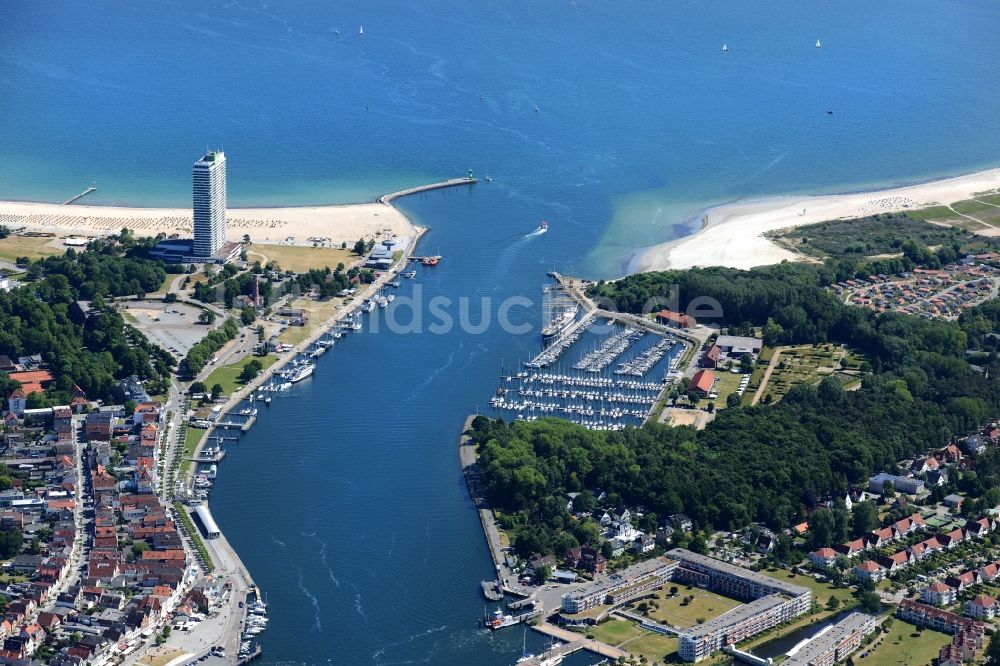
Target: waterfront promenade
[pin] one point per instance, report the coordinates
(473, 479)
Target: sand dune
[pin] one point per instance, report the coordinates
(733, 233)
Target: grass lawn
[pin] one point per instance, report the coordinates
(654, 647)
(192, 436)
(821, 591)
(227, 374)
(705, 605)
(614, 632)
(900, 648)
(808, 364)
(33, 247)
(293, 335)
(300, 259)
(727, 384)
(166, 284)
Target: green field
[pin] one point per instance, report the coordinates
(192, 436)
(705, 606)
(821, 591)
(727, 384)
(227, 374)
(901, 648)
(33, 247)
(655, 648)
(809, 364)
(300, 258)
(614, 632)
(628, 636)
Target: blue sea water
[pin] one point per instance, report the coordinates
(346, 500)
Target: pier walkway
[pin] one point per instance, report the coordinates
(454, 182)
(79, 196)
(573, 643)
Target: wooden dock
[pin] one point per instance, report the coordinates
(454, 182)
(80, 195)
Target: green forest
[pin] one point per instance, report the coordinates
(765, 463)
(40, 317)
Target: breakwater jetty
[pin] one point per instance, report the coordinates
(454, 182)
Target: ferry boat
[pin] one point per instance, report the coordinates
(559, 322)
(301, 372)
(499, 620)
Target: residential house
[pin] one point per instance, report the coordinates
(983, 607)
(869, 570)
(823, 558)
(710, 359)
(851, 548)
(17, 402)
(939, 594)
(953, 501)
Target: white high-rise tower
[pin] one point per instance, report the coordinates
(209, 203)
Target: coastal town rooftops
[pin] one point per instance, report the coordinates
(682, 555)
(829, 639)
(734, 616)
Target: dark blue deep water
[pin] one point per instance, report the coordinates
(346, 500)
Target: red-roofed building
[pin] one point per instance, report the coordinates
(823, 558)
(702, 382)
(675, 319)
(710, 359)
(939, 594)
(870, 570)
(983, 607)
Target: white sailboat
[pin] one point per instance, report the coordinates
(725, 48)
(361, 31)
(818, 44)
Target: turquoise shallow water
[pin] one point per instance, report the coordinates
(346, 500)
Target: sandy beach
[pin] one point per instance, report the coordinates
(290, 225)
(733, 234)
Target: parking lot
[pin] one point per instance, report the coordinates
(173, 326)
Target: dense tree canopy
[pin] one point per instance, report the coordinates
(93, 351)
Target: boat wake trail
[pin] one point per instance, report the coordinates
(379, 653)
(434, 374)
(312, 599)
(322, 559)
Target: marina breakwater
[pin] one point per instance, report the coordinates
(454, 182)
